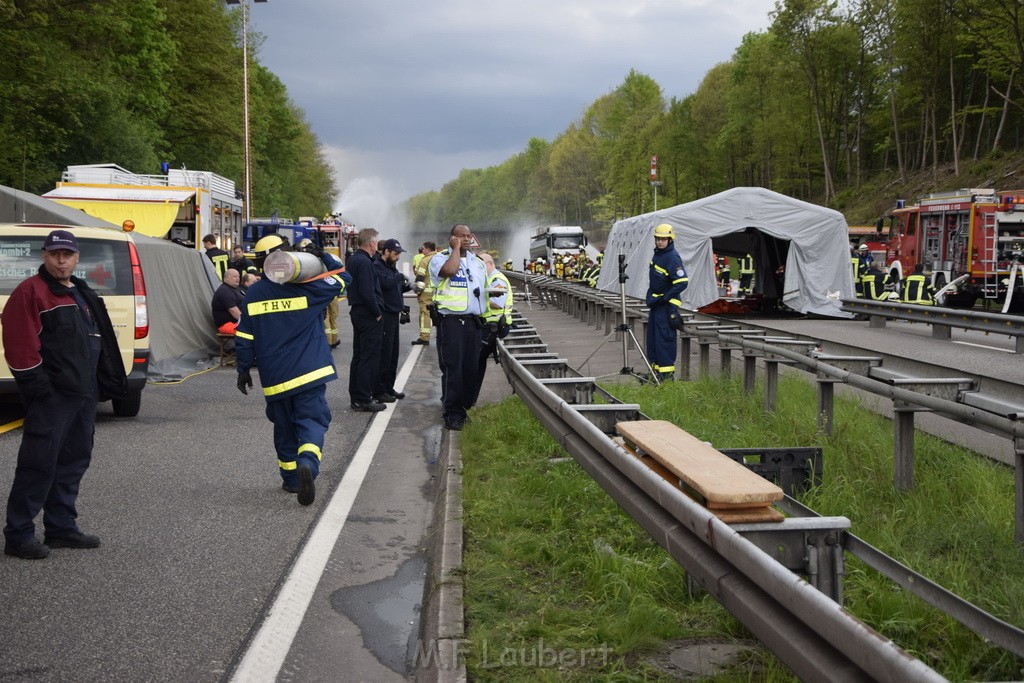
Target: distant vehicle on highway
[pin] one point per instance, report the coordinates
(109, 262)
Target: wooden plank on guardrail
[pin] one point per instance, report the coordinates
(722, 483)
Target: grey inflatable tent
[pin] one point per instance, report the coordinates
(811, 241)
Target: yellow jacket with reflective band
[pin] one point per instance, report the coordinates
(281, 331)
(421, 269)
(495, 314)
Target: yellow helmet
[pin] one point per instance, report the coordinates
(664, 230)
(265, 246)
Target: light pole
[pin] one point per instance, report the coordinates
(245, 104)
(655, 184)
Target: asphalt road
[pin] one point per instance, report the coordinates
(198, 535)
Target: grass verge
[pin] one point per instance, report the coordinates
(561, 585)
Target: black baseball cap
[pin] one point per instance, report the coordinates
(392, 244)
(61, 239)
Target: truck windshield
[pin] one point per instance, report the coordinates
(567, 242)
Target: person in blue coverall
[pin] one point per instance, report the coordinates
(667, 280)
(281, 332)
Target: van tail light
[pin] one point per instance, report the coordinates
(139, 289)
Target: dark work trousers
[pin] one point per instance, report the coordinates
(300, 423)
(661, 341)
(56, 447)
(388, 355)
(458, 354)
(366, 338)
(488, 342)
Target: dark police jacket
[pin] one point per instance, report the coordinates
(392, 286)
(365, 289)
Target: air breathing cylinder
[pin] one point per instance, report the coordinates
(292, 266)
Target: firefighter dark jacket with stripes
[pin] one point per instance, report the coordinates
(281, 332)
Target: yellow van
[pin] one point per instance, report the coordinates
(109, 262)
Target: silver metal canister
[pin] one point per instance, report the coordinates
(292, 266)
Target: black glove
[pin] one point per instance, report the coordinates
(244, 380)
(676, 319)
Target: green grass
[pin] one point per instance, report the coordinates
(553, 566)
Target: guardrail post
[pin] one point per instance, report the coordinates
(685, 349)
(941, 331)
(876, 321)
(903, 441)
(1019, 347)
(826, 403)
(749, 373)
(705, 355)
(1018, 487)
(725, 359)
(771, 384)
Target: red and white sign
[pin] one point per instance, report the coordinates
(654, 167)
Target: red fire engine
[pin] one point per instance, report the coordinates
(976, 233)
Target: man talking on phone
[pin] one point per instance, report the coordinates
(460, 299)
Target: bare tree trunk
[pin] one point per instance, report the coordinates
(981, 124)
(952, 119)
(896, 136)
(1006, 109)
(935, 144)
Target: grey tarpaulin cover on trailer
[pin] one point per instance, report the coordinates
(180, 282)
(811, 241)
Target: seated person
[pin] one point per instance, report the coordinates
(248, 280)
(227, 303)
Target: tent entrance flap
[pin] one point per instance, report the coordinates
(151, 218)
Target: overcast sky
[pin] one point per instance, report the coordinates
(404, 94)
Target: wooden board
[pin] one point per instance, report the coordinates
(733, 516)
(719, 480)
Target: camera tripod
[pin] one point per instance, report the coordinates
(624, 328)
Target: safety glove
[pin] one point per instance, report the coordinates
(244, 380)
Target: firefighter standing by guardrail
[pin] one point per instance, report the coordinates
(424, 290)
(667, 280)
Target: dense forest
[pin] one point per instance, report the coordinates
(831, 97)
(140, 82)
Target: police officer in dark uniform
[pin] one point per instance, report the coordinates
(667, 280)
(281, 332)
(392, 285)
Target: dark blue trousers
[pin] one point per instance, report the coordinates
(56, 448)
(661, 340)
(388, 355)
(366, 343)
(300, 423)
(458, 354)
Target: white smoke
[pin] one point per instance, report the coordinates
(370, 203)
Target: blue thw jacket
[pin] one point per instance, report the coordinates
(282, 332)
(667, 278)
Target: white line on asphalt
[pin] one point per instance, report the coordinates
(269, 648)
(984, 346)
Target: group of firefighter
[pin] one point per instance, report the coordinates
(578, 267)
(872, 283)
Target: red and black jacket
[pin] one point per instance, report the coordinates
(46, 341)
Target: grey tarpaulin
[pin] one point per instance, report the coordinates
(180, 282)
(811, 241)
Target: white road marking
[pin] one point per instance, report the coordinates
(270, 646)
(984, 346)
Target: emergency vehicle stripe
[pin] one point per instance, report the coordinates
(244, 335)
(298, 381)
(311, 448)
(277, 305)
(287, 465)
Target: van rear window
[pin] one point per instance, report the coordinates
(103, 264)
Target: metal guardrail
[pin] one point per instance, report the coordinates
(562, 401)
(810, 633)
(952, 398)
(941, 319)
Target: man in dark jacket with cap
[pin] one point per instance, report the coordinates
(392, 285)
(62, 351)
